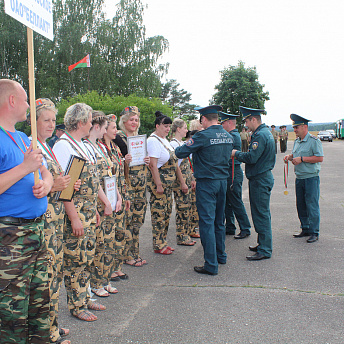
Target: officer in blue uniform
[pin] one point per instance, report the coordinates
(211, 150)
(234, 203)
(306, 156)
(259, 160)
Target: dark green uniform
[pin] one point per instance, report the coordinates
(234, 203)
(260, 160)
(211, 149)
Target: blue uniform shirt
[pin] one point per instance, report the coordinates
(309, 146)
(211, 152)
(18, 200)
(260, 157)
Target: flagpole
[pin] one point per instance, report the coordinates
(88, 78)
(32, 95)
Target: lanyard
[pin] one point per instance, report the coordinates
(111, 154)
(286, 172)
(82, 151)
(48, 150)
(8, 134)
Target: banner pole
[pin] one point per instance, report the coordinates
(32, 95)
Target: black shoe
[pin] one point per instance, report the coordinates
(230, 233)
(301, 235)
(257, 256)
(221, 262)
(253, 248)
(201, 270)
(241, 235)
(312, 238)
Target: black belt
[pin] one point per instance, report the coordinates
(17, 221)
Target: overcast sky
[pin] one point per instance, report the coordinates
(297, 47)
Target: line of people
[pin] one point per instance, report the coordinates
(86, 241)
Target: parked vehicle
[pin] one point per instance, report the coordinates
(332, 132)
(325, 136)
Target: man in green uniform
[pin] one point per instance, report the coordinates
(259, 160)
(275, 136)
(234, 203)
(283, 136)
(211, 150)
(306, 156)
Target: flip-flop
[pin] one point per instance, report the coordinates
(95, 306)
(188, 243)
(165, 250)
(85, 316)
(137, 263)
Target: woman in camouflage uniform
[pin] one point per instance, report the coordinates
(136, 181)
(182, 200)
(122, 234)
(105, 233)
(163, 171)
(82, 216)
(54, 216)
(194, 229)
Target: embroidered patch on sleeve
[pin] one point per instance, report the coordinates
(254, 145)
(190, 142)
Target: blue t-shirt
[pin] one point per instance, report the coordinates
(18, 200)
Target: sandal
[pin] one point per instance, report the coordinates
(136, 263)
(143, 260)
(196, 235)
(85, 316)
(100, 292)
(95, 306)
(170, 248)
(63, 332)
(123, 276)
(165, 250)
(187, 243)
(110, 289)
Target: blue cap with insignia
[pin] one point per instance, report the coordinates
(298, 120)
(223, 117)
(247, 112)
(208, 109)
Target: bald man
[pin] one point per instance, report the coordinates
(24, 294)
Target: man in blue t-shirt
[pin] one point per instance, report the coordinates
(23, 277)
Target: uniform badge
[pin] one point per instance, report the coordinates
(254, 145)
(190, 142)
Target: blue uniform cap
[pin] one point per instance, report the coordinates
(298, 120)
(247, 112)
(208, 109)
(223, 117)
(61, 127)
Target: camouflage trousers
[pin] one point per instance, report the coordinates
(193, 213)
(24, 293)
(183, 208)
(135, 219)
(161, 209)
(122, 242)
(53, 233)
(78, 257)
(103, 263)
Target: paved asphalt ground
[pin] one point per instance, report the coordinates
(297, 296)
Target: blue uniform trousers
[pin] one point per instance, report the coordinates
(307, 204)
(260, 190)
(235, 205)
(210, 201)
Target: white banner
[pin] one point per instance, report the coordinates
(36, 14)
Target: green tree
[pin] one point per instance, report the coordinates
(178, 99)
(240, 86)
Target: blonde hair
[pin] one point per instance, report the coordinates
(125, 118)
(75, 114)
(194, 125)
(177, 123)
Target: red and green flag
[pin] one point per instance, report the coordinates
(85, 62)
